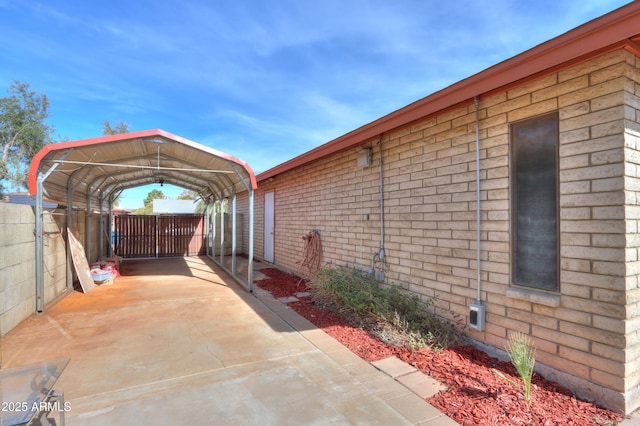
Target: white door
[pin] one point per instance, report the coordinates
(269, 225)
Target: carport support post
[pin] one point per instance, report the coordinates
(221, 232)
(214, 228)
(87, 226)
(233, 234)
(207, 229)
(69, 225)
(101, 226)
(250, 267)
(110, 229)
(39, 249)
(41, 177)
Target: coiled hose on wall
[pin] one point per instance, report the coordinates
(311, 254)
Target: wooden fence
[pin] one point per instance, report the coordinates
(159, 236)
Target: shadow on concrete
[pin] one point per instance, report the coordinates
(178, 342)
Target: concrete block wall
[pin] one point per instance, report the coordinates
(17, 258)
(78, 227)
(586, 334)
(17, 263)
(228, 234)
(242, 205)
(55, 255)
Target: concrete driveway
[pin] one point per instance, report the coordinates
(178, 342)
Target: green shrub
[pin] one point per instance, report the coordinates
(393, 316)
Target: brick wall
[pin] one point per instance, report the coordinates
(631, 354)
(586, 334)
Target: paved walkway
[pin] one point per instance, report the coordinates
(178, 342)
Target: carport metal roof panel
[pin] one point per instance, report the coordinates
(104, 166)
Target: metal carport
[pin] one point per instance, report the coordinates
(91, 173)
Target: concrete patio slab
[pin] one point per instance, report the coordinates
(421, 384)
(394, 367)
(413, 379)
(178, 342)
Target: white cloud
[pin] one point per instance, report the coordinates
(262, 80)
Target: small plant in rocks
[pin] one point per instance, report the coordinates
(522, 354)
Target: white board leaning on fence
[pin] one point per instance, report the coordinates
(80, 263)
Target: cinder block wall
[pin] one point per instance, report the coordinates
(586, 334)
(78, 227)
(18, 266)
(18, 258)
(242, 210)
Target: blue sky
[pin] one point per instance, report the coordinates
(263, 80)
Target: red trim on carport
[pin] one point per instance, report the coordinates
(47, 149)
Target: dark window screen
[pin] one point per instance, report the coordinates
(535, 211)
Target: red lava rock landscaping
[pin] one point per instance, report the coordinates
(476, 395)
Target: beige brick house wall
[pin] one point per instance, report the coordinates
(587, 333)
(632, 229)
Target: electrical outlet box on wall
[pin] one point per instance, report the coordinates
(477, 316)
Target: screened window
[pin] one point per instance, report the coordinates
(534, 147)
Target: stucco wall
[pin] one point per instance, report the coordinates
(586, 333)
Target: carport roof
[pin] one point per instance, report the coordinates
(103, 167)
